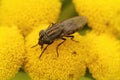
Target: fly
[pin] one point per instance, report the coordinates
(60, 31)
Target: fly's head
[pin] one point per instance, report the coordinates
(43, 38)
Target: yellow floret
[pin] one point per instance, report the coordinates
(11, 52)
(68, 66)
(103, 15)
(27, 14)
(103, 56)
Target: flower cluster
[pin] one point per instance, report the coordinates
(25, 15)
(29, 14)
(102, 56)
(98, 50)
(11, 51)
(102, 47)
(67, 66)
(103, 15)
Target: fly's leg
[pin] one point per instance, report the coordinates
(34, 46)
(43, 51)
(49, 27)
(59, 45)
(72, 38)
(51, 24)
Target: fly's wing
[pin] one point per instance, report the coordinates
(73, 24)
(66, 27)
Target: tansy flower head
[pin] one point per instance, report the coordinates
(11, 52)
(102, 56)
(68, 66)
(103, 15)
(29, 14)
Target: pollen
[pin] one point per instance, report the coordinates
(69, 65)
(103, 15)
(29, 14)
(11, 52)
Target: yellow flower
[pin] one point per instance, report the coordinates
(29, 14)
(68, 66)
(103, 56)
(103, 15)
(11, 52)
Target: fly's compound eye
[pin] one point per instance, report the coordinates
(41, 33)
